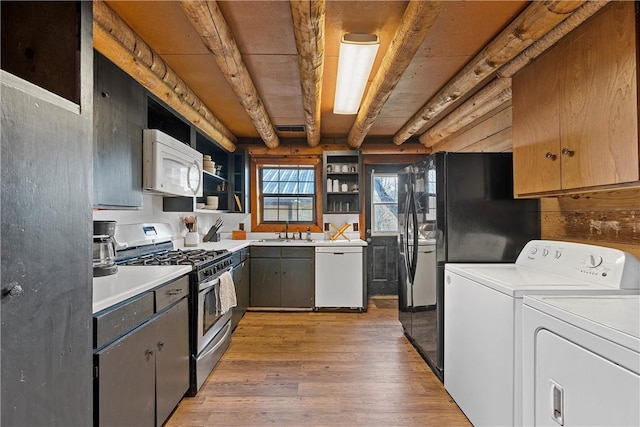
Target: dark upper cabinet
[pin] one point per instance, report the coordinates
(119, 116)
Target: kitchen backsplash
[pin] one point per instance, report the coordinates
(152, 212)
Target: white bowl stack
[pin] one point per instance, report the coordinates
(208, 164)
(212, 203)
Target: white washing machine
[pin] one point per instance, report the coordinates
(483, 318)
(581, 360)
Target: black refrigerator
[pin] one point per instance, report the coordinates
(453, 207)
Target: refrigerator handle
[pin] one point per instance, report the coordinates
(405, 243)
(414, 254)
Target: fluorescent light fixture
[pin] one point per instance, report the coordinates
(357, 53)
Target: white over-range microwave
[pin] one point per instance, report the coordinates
(170, 166)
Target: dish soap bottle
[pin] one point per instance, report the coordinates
(309, 234)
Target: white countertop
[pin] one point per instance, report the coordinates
(130, 281)
(133, 280)
(234, 245)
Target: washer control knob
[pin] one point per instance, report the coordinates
(545, 252)
(557, 254)
(594, 260)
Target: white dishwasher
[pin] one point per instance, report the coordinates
(339, 278)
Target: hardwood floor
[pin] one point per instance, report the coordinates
(321, 369)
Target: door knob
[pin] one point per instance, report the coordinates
(567, 152)
(550, 155)
(15, 291)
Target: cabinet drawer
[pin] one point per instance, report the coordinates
(265, 252)
(171, 293)
(118, 321)
(297, 252)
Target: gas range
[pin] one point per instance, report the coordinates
(210, 327)
(150, 244)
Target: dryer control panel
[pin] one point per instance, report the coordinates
(605, 266)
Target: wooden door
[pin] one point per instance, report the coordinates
(599, 118)
(46, 239)
(536, 126)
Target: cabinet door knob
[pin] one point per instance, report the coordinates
(160, 345)
(148, 353)
(567, 152)
(550, 155)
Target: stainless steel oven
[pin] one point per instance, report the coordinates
(209, 329)
(213, 328)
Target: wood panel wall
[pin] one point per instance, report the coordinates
(605, 218)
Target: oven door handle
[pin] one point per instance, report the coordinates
(226, 331)
(208, 284)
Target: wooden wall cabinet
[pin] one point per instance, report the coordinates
(575, 109)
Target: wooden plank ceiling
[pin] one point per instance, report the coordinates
(263, 32)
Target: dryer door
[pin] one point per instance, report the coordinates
(576, 387)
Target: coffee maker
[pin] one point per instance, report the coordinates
(104, 248)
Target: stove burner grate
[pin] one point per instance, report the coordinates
(193, 257)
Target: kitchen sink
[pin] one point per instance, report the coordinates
(282, 240)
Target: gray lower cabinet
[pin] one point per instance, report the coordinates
(241, 279)
(282, 276)
(172, 359)
(141, 376)
(126, 380)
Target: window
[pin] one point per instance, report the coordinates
(384, 206)
(287, 193)
(286, 188)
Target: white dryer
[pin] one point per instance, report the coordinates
(581, 360)
(483, 318)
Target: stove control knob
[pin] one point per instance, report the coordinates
(594, 261)
(545, 252)
(558, 254)
(534, 250)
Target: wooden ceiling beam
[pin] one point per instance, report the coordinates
(534, 22)
(492, 96)
(308, 27)
(416, 23)
(122, 46)
(499, 91)
(207, 19)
